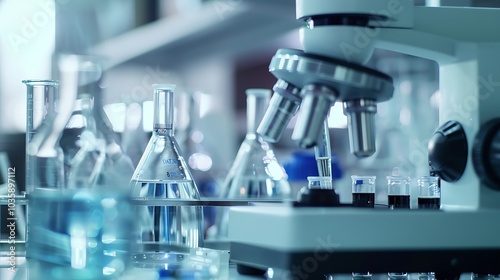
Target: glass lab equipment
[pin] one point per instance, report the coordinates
(360, 275)
(363, 195)
(79, 231)
(82, 143)
(323, 152)
(198, 153)
(398, 196)
(195, 263)
(426, 276)
(363, 191)
(118, 165)
(92, 154)
(79, 234)
(319, 182)
(84, 149)
(398, 190)
(43, 153)
(162, 173)
(255, 172)
(429, 193)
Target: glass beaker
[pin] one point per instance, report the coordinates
(398, 196)
(255, 172)
(43, 154)
(398, 190)
(319, 182)
(162, 173)
(363, 191)
(429, 193)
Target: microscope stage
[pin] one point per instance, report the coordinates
(345, 239)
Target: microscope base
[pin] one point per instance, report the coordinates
(310, 242)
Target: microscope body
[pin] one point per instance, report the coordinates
(464, 151)
(340, 36)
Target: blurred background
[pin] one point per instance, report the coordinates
(213, 51)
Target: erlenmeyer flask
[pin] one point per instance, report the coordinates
(162, 173)
(255, 172)
(84, 149)
(83, 144)
(93, 157)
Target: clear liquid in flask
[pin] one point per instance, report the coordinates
(162, 173)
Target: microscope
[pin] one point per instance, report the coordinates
(338, 38)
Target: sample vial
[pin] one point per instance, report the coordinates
(317, 182)
(426, 276)
(398, 190)
(476, 276)
(361, 275)
(363, 191)
(429, 193)
(398, 275)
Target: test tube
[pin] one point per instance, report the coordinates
(429, 193)
(363, 191)
(323, 152)
(398, 191)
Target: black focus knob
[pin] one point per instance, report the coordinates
(448, 151)
(486, 154)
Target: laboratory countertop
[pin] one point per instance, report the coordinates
(20, 274)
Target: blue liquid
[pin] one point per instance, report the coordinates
(180, 225)
(83, 232)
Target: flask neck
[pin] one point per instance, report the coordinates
(163, 132)
(163, 111)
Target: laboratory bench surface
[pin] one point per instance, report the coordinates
(6, 274)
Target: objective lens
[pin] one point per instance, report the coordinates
(282, 108)
(361, 126)
(316, 103)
